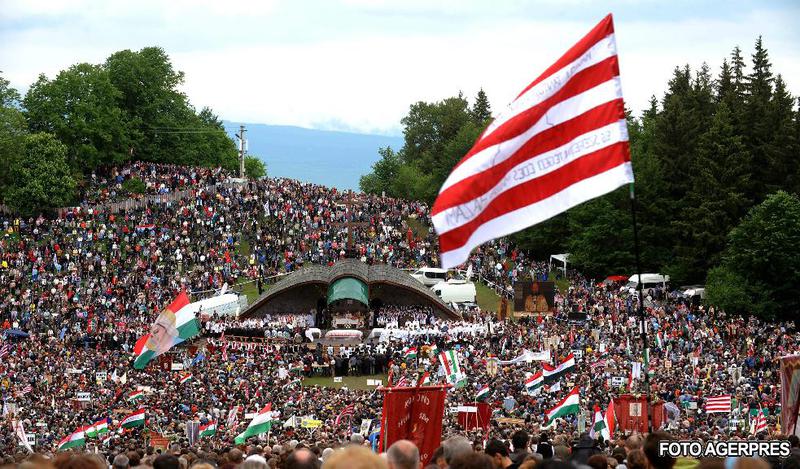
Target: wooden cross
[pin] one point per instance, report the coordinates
(349, 251)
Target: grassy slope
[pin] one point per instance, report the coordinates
(488, 300)
(352, 382)
(419, 228)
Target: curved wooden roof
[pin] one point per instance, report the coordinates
(382, 275)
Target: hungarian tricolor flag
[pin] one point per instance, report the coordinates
(569, 405)
(534, 384)
(561, 142)
(97, 429)
(261, 423)
(135, 396)
(552, 374)
(410, 353)
(209, 429)
(483, 393)
(599, 427)
(425, 379)
(134, 419)
(174, 325)
(74, 440)
(184, 378)
(452, 369)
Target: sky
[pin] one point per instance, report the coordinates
(357, 65)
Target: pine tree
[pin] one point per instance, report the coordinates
(718, 199)
(650, 187)
(796, 187)
(481, 110)
(675, 134)
(725, 87)
(737, 70)
(783, 156)
(759, 132)
(687, 111)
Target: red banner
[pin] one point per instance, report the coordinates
(414, 414)
(476, 415)
(632, 413)
(790, 394)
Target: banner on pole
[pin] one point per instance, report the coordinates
(414, 414)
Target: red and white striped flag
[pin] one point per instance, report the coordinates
(5, 350)
(759, 422)
(348, 410)
(718, 403)
(233, 417)
(561, 142)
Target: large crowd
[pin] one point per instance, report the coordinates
(78, 290)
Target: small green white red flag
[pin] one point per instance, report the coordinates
(209, 429)
(569, 405)
(134, 419)
(261, 423)
(98, 428)
(73, 440)
(534, 383)
(425, 379)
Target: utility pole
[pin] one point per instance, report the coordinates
(240, 136)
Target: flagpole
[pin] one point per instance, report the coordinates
(642, 320)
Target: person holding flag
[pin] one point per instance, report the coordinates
(261, 423)
(599, 427)
(209, 429)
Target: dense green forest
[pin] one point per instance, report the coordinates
(706, 158)
(91, 117)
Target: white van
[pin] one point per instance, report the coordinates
(692, 291)
(455, 291)
(648, 281)
(430, 276)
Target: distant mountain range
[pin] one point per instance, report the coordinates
(331, 158)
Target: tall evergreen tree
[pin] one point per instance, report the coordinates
(718, 200)
(738, 72)
(651, 209)
(481, 109)
(759, 132)
(725, 87)
(782, 152)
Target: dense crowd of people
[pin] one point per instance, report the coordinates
(77, 291)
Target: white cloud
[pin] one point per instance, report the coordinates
(357, 77)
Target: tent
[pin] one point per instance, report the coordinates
(562, 258)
